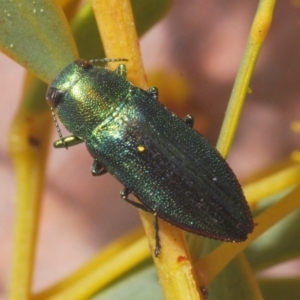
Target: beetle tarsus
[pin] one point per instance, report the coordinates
(153, 91)
(124, 195)
(97, 169)
(189, 121)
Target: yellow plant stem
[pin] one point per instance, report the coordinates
(272, 184)
(117, 29)
(255, 289)
(114, 261)
(116, 25)
(259, 30)
(212, 264)
(28, 143)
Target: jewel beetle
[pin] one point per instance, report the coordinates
(158, 157)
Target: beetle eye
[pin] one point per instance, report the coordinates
(84, 64)
(53, 96)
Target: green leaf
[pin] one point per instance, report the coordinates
(36, 34)
(236, 281)
(280, 288)
(148, 13)
(280, 243)
(33, 99)
(141, 283)
(85, 30)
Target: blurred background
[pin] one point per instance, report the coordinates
(192, 56)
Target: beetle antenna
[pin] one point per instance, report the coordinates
(58, 128)
(106, 60)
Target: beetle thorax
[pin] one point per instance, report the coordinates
(91, 101)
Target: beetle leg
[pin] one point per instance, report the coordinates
(68, 141)
(153, 91)
(121, 70)
(189, 121)
(97, 169)
(124, 195)
(157, 239)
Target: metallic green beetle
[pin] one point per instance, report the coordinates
(174, 172)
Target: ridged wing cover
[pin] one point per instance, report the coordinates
(179, 176)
